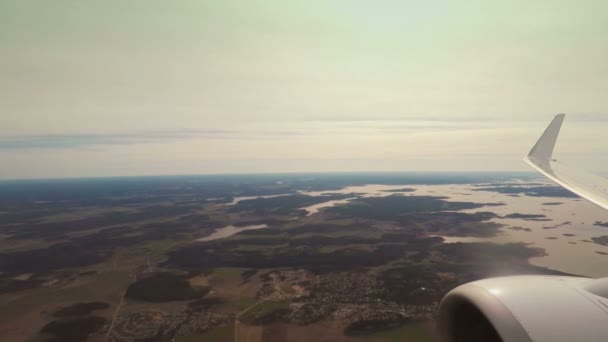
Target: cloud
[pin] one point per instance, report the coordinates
(71, 141)
(589, 117)
(279, 131)
(64, 141)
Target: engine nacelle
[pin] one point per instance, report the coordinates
(526, 309)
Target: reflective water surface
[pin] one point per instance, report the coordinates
(565, 234)
(229, 231)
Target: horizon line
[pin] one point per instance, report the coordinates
(288, 173)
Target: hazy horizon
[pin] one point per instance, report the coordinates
(99, 89)
(515, 175)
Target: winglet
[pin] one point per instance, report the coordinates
(587, 185)
(543, 150)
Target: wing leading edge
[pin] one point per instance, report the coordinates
(585, 184)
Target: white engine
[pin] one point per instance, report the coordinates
(526, 309)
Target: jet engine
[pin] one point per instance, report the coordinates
(526, 309)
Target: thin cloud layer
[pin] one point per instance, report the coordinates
(281, 131)
(67, 141)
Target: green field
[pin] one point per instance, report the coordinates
(262, 309)
(415, 332)
(226, 273)
(239, 303)
(106, 286)
(156, 250)
(219, 334)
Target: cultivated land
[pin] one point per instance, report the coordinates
(118, 259)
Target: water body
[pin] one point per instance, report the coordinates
(573, 216)
(244, 198)
(465, 239)
(371, 190)
(313, 209)
(229, 231)
(564, 253)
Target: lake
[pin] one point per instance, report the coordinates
(229, 231)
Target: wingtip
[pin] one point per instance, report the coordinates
(543, 149)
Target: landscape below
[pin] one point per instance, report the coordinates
(131, 259)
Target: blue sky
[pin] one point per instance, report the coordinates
(104, 88)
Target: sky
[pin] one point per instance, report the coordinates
(147, 87)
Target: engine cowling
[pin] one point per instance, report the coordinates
(526, 309)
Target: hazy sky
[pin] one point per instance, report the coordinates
(102, 88)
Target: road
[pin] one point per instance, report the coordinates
(238, 316)
(122, 299)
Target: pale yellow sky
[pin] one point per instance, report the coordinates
(106, 88)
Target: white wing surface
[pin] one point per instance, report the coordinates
(585, 184)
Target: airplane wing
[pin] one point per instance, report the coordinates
(534, 308)
(585, 184)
